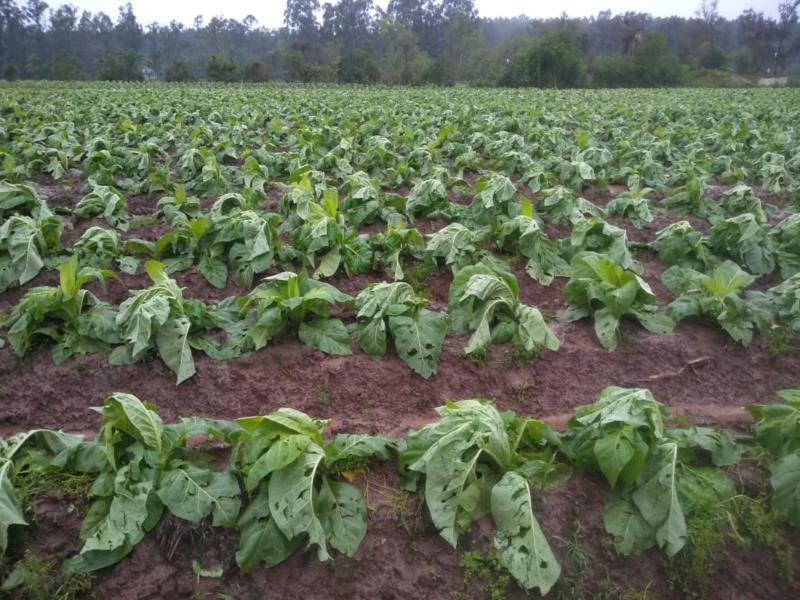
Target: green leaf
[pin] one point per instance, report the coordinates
(520, 541)
(174, 348)
(328, 335)
(419, 340)
(450, 469)
(116, 527)
(280, 454)
(623, 520)
(371, 337)
(214, 270)
(328, 264)
(343, 515)
(657, 500)
(291, 499)
(192, 493)
(616, 450)
(127, 412)
(10, 510)
(261, 540)
(605, 328)
(533, 331)
(785, 481)
(213, 572)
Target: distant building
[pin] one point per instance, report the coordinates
(148, 74)
(773, 80)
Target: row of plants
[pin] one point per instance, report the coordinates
(237, 237)
(484, 299)
(285, 485)
(149, 139)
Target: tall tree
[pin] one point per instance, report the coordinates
(300, 17)
(128, 32)
(783, 33)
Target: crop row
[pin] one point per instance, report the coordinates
(286, 484)
(147, 139)
(237, 237)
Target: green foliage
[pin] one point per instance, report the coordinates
(484, 298)
(634, 205)
(297, 495)
(777, 430)
(680, 244)
(596, 235)
(328, 242)
(746, 241)
(614, 70)
(38, 579)
(602, 288)
(487, 570)
(286, 486)
(25, 244)
(286, 302)
(242, 243)
(100, 248)
(560, 205)
(456, 245)
(393, 245)
(781, 301)
(740, 199)
(157, 319)
(21, 199)
(179, 207)
(650, 66)
(475, 461)
(393, 308)
(554, 60)
(121, 65)
(221, 68)
(179, 71)
(654, 65)
(358, 66)
(428, 198)
(104, 201)
(786, 236)
(544, 256)
(72, 317)
(660, 483)
(293, 488)
(255, 70)
(493, 200)
(689, 198)
(716, 295)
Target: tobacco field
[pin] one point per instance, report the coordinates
(344, 342)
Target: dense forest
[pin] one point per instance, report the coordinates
(411, 42)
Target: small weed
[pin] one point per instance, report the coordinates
(424, 402)
(38, 579)
(743, 520)
(415, 276)
(782, 342)
(681, 420)
(140, 221)
(573, 585)
(407, 508)
(489, 571)
(67, 484)
(322, 396)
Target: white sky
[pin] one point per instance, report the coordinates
(270, 12)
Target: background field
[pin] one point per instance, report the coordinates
(63, 139)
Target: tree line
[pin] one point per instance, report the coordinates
(411, 42)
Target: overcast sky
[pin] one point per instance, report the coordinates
(270, 12)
